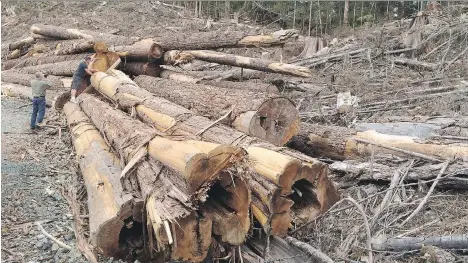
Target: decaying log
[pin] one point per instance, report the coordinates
(315, 61)
(11, 76)
(239, 61)
(142, 68)
(145, 49)
(73, 47)
(341, 143)
(39, 60)
(173, 119)
(64, 68)
(218, 39)
(17, 90)
(260, 87)
(22, 43)
(266, 116)
(279, 251)
(109, 205)
(415, 63)
(71, 33)
(414, 243)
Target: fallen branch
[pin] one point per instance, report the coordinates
(58, 242)
(366, 224)
(316, 254)
(414, 243)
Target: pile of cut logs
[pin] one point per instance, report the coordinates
(178, 167)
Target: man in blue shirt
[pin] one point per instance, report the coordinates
(81, 78)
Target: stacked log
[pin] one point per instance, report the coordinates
(267, 116)
(39, 60)
(10, 76)
(276, 172)
(178, 172)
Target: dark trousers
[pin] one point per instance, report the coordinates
(39, 106)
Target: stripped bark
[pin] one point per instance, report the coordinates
(266, 116)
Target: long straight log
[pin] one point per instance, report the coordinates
(142, 68)
(342, 143)
(145, 49)
(239, 61)
(218, 39)
(266, 116)
(64, 68)
(415, 63)
(39, 60)
(17, 90)
(73, 47)
(197, 167)
(260, 87)
(22, 43)
(173, 119)
(414, 243)
(11, 76)
(109, 206)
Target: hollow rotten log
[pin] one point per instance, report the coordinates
(173, 119)
(260, 87)
(342, 143)
(197, 168)
(178, 57)
(218, 39)
(109, 206)
(266, 116)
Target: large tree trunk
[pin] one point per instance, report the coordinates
(238, 61)
(173, 119)
(197, 168)
(65, 68)
(73, 47)
(219, 39)
(342, 143)
(70, 33)
(109, 205)
(266, 116)
(21, 91)
(145, 49)
(260, 87)
(11, 76)
(142, 68)
(22, 43)
(414, 243)
(39, 60)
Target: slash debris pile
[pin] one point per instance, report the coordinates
(185, 160)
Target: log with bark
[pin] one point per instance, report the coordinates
(141, 68)
(260, 87)
(414, 243)
(11, 76)
(64, 68)
(173, 119)
(109, 206)
(71, 33)
(266, 116)
(22, 43)
(175, 57)
(195, 168)
(415, 63)
(218, 39)
(39, 60)
(17, 90)
(341, 143)
(73, 47)
(145, 49)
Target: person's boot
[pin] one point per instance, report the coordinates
(74, 100)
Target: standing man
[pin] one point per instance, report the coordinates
(81, 78)
(39, 86)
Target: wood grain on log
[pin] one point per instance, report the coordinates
(145, 50)
(11, 76)
(39, 60)
(266, 116)
(64, 68)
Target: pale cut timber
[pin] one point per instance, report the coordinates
(71, 33)
(22, 43)
(142, 68)
(11, 76)
(144, 49)
(260, 87)
(64, 68)
(246, 62)
(218, 39)
(109, 206)
(38, 60)
(195, 170)
(173, 119)
(266, 116)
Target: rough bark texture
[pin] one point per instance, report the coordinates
(175, 120)
(145, 50)
(260, 87)
(142, 68)
(246, 62)
(70, 33)
(109, 205)
(218, 39)
(22, 43)
(10, 76)
(73, 47)
(279, 249)
(415, 63)
(414, 243)
(65, 68)
(21, 91)
(272, 118)
(39, 60)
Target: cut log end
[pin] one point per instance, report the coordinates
(156, 51)
(275, 121)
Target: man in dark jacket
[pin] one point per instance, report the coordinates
(81, 78)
